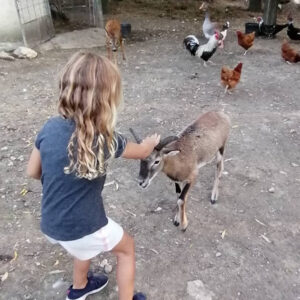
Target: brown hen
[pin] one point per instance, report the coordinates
(289, 54)
(230, 78)
(245, 40)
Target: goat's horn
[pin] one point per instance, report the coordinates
(165, 142)
(138, 140)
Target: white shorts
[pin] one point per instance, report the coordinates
(89, 246)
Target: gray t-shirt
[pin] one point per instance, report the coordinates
(71, 207)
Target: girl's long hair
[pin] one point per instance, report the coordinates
(90, 92)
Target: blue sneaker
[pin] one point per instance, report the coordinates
(139, 296)
(95, 284)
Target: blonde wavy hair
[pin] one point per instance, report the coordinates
(90, 92)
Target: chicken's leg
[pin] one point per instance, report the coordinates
(226, 89)
(211, 62)
(245, 52)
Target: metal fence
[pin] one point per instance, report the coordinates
(35, 21)
(85, 12)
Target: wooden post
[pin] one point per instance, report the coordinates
(270, 15)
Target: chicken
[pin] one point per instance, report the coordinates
(230, 78)
(245, 40)
(289, 54)
(205, 51)
(292, 32)
(210, 28)
(269, 31)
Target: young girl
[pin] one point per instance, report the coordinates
(70, 157)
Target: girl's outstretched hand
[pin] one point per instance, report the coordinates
(151, 141)
(142, 150)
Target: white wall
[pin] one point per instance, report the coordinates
(9, 22)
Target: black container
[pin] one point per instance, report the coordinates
(126, 30)
(250, 27)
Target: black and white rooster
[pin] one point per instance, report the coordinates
(292, 32)
(262, 30)
(205, 51)
(210, 28)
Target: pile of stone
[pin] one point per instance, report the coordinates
(20, 52)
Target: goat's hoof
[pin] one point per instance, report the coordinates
(213, 201)
(184, 227)
(176, 223)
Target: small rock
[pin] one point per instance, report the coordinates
(218, 254)
(24, 52)
(158, 209)
(4, 148)
(294, 165)
(103, 263)
(28, 297)
(57, 284)
(107, 269)
(197, 291)
(13, 158)
(6, 56)
(271, 189)
(10, 164)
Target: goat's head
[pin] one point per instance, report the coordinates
(154, 163)
(114, 41)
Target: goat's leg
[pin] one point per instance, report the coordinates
(115, 59)
(123, 49)
(176, 221)
(219, 171)
(108, 48)
(181, 206)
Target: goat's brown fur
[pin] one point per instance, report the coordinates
(198, 144)
(114, 39)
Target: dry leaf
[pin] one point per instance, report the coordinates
(235, 126)
(266, 239)
(24, 192)
(223, 234)
(56, 263)
(15, 256)
(57, 271)
(259, 222)
(4, 276)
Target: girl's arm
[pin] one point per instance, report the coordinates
(34, 168)
(142, 150)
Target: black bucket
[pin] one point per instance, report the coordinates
(126, 30)
(250, 27)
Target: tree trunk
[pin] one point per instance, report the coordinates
(254, 5)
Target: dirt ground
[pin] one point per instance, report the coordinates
(244, 247)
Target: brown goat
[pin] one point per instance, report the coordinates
(180, 157)
(114, 39)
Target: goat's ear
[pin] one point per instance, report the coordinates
(171, 153)
(170, 149)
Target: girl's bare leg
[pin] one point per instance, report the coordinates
(125, 254)
(80, 271)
